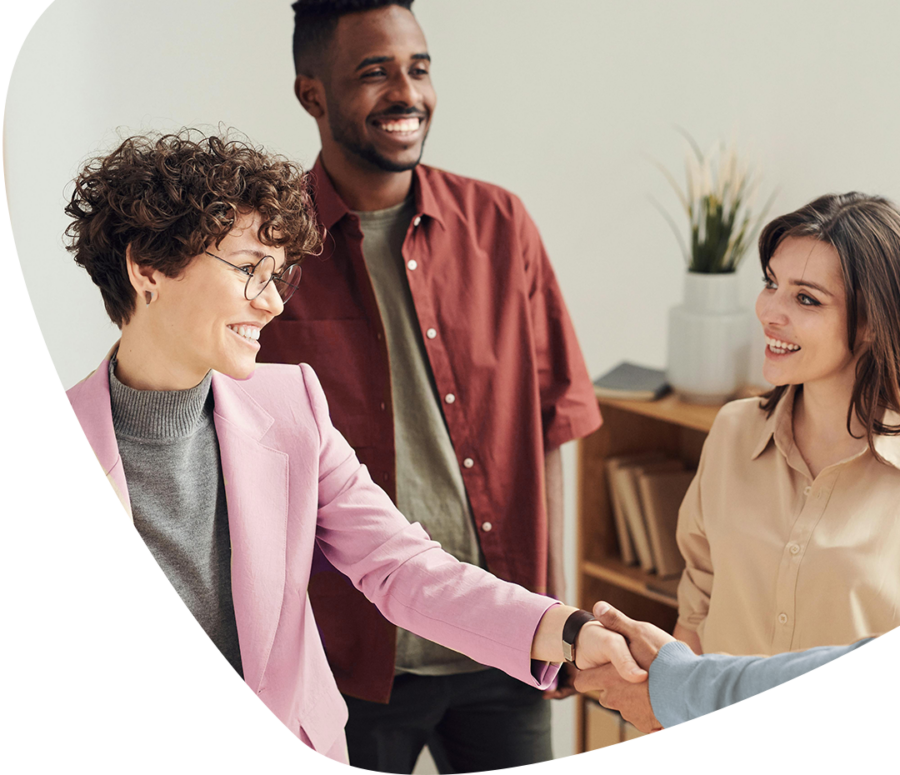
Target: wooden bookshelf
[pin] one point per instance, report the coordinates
(669, 426)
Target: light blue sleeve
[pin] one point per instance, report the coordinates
(684, 686)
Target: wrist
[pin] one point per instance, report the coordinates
(572, 629)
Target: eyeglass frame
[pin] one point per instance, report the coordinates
(295, 269)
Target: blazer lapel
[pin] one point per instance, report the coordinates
(256, 491)
(90, 401)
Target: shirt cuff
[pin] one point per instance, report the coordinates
(666, 683)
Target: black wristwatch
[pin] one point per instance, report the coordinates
(572, 627)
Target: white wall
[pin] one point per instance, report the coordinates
(564, 103)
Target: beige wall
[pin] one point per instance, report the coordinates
(564, 103)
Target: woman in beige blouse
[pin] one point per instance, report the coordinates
(790, 529)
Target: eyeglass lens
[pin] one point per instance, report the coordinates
(263, 274)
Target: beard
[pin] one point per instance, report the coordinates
(346, 135)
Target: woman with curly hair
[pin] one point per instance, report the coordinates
(233, 475)
(790, 529)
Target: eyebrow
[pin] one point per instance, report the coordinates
(808, 284)
(378, 60)
(802, 283)
(248, 251)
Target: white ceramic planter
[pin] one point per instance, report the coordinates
(709, 340)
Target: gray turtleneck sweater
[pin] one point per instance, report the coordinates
(170, 455)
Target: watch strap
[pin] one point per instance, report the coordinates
(571, 628)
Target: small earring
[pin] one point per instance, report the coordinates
(148, 296)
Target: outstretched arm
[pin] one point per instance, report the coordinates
(683, 685)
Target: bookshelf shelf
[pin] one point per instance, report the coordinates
(668, 426)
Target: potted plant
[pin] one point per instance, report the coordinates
(709, 333)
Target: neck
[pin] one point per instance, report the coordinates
(365, 188)
(143, 365)
(822, 411)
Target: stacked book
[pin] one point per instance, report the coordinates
(631, 382)
(646, 491)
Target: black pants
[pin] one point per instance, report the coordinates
(470, 722)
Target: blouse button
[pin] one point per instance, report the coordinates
(417, 220)
(783, 618)
(807, 490)
(795, 548)
(468, 462)
(449, 398)
(412, 264)
(487, 527)
(431, 333)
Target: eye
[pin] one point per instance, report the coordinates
(807, 301)
(419, 72)
(769, 283)
(371, 75)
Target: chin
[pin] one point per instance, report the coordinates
(240, 371)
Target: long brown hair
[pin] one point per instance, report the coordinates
(865, 232)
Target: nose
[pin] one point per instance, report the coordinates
(770, 309)
(404, 90)
(269, 300)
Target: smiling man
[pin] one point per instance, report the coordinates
(435, 323)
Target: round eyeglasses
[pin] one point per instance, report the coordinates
(262, 273)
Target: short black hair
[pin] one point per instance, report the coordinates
(315, 22)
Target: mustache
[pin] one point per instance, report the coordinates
(401, 112)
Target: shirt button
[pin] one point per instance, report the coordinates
(795, 548)
(487, 527)
(384, 477)
(431, 333)
(468, 462)
(449, 398)
(807, 490)
(412, 264)
(783, 618)
(378, 336)
(383, 406)
(417, 221)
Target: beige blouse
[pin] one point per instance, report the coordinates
(777, 561)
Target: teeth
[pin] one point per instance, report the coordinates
(779, 347)
(405, 125)
(248, 332)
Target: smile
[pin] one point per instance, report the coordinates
(249, 334)
(781, 348)
(399, 126)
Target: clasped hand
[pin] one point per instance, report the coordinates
(619, 683)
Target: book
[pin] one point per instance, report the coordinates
(661, 495)
(627, 482)
(631, 382)
(626, 545)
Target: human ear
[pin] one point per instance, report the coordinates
(311, 95)
(143, 278)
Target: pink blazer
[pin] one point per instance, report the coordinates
(293, 483)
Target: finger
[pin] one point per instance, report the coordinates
(624, 663)
(613, 619)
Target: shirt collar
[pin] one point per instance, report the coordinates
(780, 425)
(331, 208)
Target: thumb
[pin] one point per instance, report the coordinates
(613, 619)
(624, 663)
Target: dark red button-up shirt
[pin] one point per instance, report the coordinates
(507, 367)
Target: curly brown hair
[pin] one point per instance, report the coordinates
(169, 197)
(865, 232)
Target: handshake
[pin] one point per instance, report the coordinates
(613, 658)
(614, 655)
